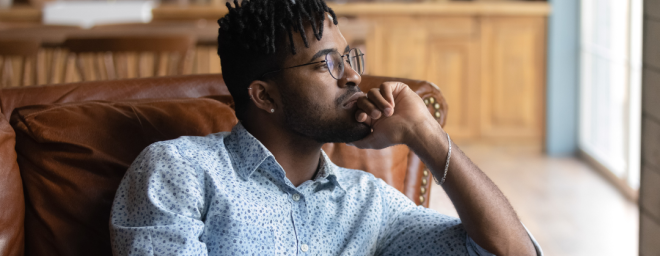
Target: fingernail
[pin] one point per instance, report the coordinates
(375, 114)
(362, 117)
(388, 111)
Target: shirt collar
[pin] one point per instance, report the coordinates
(326, 167)
(327, 174)
(247, 154)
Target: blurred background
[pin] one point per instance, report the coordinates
(557, 101)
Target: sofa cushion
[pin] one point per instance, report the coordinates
(73, 156)
(12, 207)
(166, 87)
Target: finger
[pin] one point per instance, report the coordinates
(397, 88)
(386, 89)
(368, 107)
(377, 99)
(362, 117)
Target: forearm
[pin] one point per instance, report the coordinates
(485, 212)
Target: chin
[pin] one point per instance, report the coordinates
(323, 126)
(345, 133)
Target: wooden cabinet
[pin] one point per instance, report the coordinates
(453, 67)
(491, 68)
(512, 84)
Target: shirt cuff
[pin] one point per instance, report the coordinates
(475, 250)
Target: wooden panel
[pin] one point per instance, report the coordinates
(206, 60)
(399, 51)
(56, 65)
(452, 65)
(19, 70)
(442, 50)
(447, 8)
(401, 44)
(512, 84)
(214, 11)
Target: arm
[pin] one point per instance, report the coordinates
(398, 116)
(158, 206)
(485, 212)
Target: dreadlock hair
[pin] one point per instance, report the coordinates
(252, 39)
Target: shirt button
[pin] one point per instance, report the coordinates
(304, 247)
(296, 197)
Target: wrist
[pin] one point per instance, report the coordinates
(425, 136)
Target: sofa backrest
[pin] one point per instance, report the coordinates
(12, 203)
(191, 86)
(41, 177)
(73, 156)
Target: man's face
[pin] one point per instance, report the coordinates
(315, 104)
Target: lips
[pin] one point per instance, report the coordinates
(350, 101)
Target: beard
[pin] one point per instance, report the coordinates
(309, 119)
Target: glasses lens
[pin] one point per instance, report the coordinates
(356, 59)
(335, 65)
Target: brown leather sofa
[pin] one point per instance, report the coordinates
(65, 148)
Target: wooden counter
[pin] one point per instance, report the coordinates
(359, 9)
(194, 12)
(488, 58)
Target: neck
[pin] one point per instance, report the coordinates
(299, 156)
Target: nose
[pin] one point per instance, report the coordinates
(350, 78)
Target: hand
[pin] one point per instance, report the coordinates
(393, 111)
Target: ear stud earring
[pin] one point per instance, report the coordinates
(272, 110)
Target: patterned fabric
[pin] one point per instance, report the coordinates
(224, 194)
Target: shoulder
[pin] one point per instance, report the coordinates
(184, 161)
(183, 153)
(186, 146)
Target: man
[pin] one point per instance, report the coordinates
(267, 188)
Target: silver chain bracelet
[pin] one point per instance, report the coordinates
(444, 176)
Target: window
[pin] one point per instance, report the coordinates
(610, 85)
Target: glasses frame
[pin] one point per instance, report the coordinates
(325, 60)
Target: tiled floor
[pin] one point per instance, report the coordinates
(568, 207)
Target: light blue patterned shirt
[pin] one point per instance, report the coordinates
(224, 194)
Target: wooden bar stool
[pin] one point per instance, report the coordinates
(18, 62)
(107, 58)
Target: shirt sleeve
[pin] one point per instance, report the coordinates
(415, 230)
(158, 208)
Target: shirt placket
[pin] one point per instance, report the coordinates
(299, 216)
(298, 212)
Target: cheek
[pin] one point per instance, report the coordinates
(314, 90)
(321, 93)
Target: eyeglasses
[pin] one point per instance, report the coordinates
(335, 62)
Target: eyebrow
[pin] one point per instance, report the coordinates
(326, 51)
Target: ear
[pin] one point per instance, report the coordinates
(261, 93)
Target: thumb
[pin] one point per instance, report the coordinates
(364, 143)
(372, 141)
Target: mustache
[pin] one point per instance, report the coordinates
(351, 90)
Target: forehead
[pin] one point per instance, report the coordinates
(331, 39)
